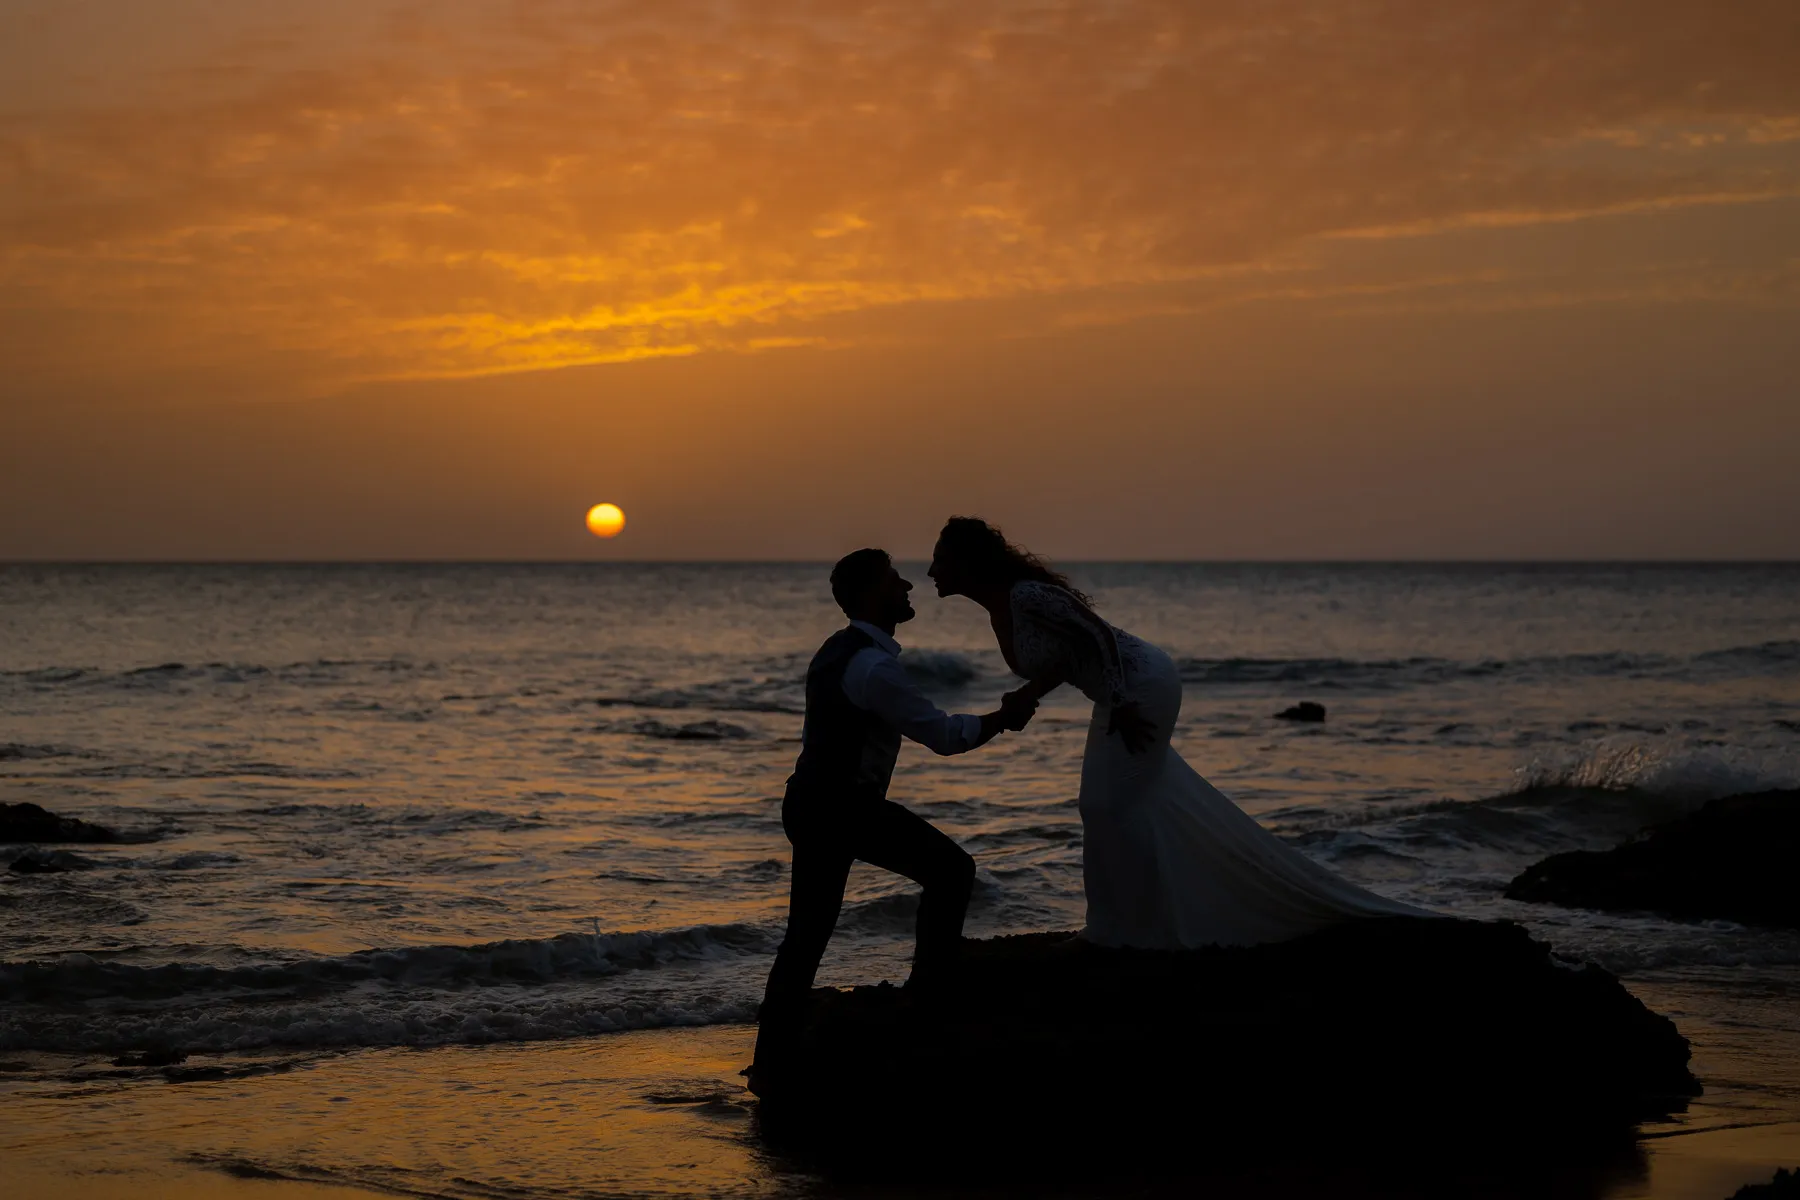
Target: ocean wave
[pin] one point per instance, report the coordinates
(1503, 832)
(161, 670)
(434, 1020)
(691, 731)
(41, 860)
(891, 914)
(776, 687)
(1662, 768)
(1417, 670)
(1638, 944)
(708, 700)
(311, 672)
(192, 769)
(1315, 671)
(940, 668)
(16, 751)
(896, 913)
(83, 978)
(193, 860)
(416, 818)
(1591, 797)
(1761, 655)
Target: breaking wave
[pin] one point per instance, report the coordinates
(1589, 798)
(1622, 948)
(431, 1020)
(83, 977)
(940, 668)
(516, 990)
(1695, 773)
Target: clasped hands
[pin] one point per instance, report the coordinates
(1017, 709)
(1136, 730)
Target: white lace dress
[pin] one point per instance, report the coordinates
(1167, 860)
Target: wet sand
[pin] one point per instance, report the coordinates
(654, 1113)
(657, 1113)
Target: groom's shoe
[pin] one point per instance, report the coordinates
(923, 983)
(933, 983)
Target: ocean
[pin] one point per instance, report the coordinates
(529, 815)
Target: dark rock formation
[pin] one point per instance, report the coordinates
(1306, 710)
(1733, 860)
(151, 1058)
(1401, 1032)
(1785, 1186)
(29, 823)
(48, 862)
(693, 731)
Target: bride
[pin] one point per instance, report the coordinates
(1168, 860)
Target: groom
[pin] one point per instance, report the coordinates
(859, 703)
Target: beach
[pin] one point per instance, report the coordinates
(462, 880)
(661, 1113)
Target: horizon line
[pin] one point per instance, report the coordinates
(796, 562)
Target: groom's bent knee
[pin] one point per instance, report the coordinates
(959, 873)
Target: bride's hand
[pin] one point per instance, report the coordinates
(1017, 708)
(1137, 730)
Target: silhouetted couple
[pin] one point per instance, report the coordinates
(1168, 861)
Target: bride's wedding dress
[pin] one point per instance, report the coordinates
(1169, 861)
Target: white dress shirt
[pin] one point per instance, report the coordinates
(876, 682)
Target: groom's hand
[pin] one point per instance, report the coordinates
(1017, 709)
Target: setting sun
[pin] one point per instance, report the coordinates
(605, 520)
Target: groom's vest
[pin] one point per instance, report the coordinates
(845, 751)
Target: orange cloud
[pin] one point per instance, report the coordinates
(435, 191)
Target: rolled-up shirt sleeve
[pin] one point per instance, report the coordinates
(876, 682)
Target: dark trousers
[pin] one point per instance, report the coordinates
(828, 835)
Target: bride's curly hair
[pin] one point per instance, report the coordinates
(991, 557)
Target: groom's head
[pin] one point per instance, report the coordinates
(868, 588)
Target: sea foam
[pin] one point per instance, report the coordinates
(520, 989)
(1663, 768)
(82, 977)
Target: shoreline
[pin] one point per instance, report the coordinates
(662, 1113)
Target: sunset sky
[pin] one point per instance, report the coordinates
(1251, 279)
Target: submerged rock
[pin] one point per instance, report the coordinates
(1051, 1054)
(161, 1057)
(29, 823)
(1306, 710)
(693, 731)
(1732, 860)
(48, 862)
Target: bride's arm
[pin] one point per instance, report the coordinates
(1074, 622)
(1037, 689)
(1058, 609)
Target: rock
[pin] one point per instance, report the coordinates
(1785, 1186)
(1306, 710)
(151, 1058)
(1046, 1053)
(1732, 860)
(48, 862)
(29, 823)
(693, 731)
